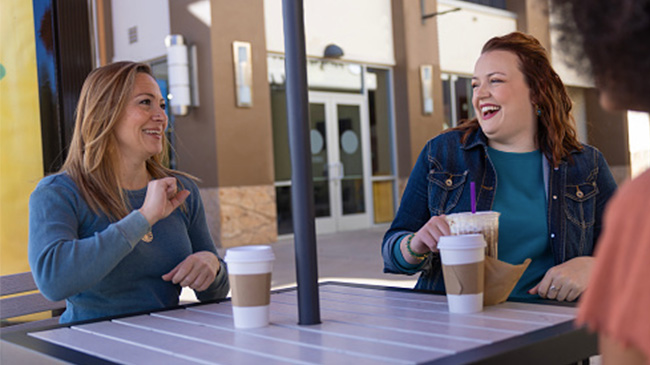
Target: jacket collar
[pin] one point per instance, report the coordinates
(475, 139)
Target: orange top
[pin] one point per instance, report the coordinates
(617, 299)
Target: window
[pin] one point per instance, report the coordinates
(159, 69)
(457, 99)
(500, 4)
(383, 177)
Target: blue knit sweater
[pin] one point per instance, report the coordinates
(102, 268)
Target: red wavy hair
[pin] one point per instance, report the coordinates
(556, 134)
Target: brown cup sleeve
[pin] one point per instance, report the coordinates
(250, 290)
(464, 279)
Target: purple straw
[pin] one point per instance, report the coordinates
(472, 189)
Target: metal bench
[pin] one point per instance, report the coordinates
(19, 296)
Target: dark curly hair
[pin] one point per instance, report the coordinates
(556, 134)
(615, 37)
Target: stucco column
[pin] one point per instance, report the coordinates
(532, 18)
(229, 147)
(608, 132)
(416, 44)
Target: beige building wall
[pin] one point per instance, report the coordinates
(462, 34)
(362, 28)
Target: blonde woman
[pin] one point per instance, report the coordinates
(115, 231)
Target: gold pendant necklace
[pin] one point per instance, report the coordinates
(148, 237)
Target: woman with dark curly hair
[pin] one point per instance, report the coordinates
(615, 36)
(523, 155)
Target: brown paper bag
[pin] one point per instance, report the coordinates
(500, 278)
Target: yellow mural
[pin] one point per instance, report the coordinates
(21, 162)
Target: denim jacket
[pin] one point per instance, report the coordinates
(439, 184)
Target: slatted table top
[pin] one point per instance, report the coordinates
(360, 325)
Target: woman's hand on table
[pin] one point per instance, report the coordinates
(565, 281)
(197, 271)
(426, 239)
(161, 199)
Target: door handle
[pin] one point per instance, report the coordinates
(336, 170)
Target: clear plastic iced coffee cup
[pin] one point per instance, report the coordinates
(486, 223)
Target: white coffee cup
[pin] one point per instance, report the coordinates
(249, 272)
(463, 265)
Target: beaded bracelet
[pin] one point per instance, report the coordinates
(419, 256)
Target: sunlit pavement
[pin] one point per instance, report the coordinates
(353, 256)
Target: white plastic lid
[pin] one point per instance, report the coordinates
(489, 213)
(250, 254)
(461, 242)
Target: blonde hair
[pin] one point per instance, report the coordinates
(92, 157)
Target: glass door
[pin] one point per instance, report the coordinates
(340, 164)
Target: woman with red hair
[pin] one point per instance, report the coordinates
(522, 152)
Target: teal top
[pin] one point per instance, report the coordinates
(521, 199)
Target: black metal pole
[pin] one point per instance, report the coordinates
(302, 189)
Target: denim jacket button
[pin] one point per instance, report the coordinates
(554, 197)
(580, 194)
(552, 235)
(448, 182)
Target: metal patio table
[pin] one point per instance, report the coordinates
(361, 324)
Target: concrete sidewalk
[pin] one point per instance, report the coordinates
(353, 256)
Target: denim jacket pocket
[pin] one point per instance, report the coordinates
(581, 204)
(445, 189)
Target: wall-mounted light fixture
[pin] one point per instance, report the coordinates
(241, 52)
(426, 16)
(426, 82)
(333, 51)
(178, 69)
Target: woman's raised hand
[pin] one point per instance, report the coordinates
(161, 199)
(430, 233)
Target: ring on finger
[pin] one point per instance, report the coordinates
(553, 287)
